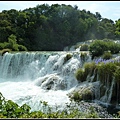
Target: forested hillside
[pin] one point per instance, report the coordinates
(53, 27)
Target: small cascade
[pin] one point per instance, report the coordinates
(28, 77)
(106, 98)
(21, 65)
(110, 91)
(118, 96)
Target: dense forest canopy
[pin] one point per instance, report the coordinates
(49, 28)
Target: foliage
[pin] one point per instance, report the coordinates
(117, 25)
(114, 60)
(12, 44)
(83, 56)
(93, 113)
(67, 57)
(98, 47)
(80, 75)
(84, 47)
(106, 71)
(22, 48)
(76, 97)
(117, 75)
(85, 95)
(9, 109)
(89, 68)
(107, 55)
(54, 27)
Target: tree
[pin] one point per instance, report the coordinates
(98, 16)
(117, 26)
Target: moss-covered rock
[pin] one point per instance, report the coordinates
(4, 51)
(67, 57)
(85, 91)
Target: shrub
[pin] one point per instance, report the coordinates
(106, 71)
(79, 74)
(114, 47)
(6, 45)
(83, 56)
(67, 57)
(22, 48)
(15, 47)
(12, 44)
(84, 47)
(89, 68)
(76, 97)
(107, 55)
(97, 48)
(117, 75)
(92, 113)
(1, 46)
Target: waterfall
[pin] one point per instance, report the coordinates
(28, 77)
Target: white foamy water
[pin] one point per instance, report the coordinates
(27, 92)
(31, 77)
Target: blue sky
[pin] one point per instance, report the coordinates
(107, 9)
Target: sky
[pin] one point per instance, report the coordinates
(107, 9)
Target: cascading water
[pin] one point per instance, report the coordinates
(31, 77)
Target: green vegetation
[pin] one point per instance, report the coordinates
(89, 68)
(12, 45)
(51, 28)
(9, 109)
(83, 56)
(98, 47)
(82, 73)
(76, 97)
(107, 55)
(67, 57)
(107, 71)
(84, 47)
(85, 95)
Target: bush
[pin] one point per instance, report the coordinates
(67, 57)
(107, 55)
(76, 97)
(1, 46)
(83, 56)
(15, 47)
(106, 71)
(117, 75)
(84, 47)
(114, 47)
(12, 44)
(98, 47)
(89, 68)
(79, 74)
(22, 48)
